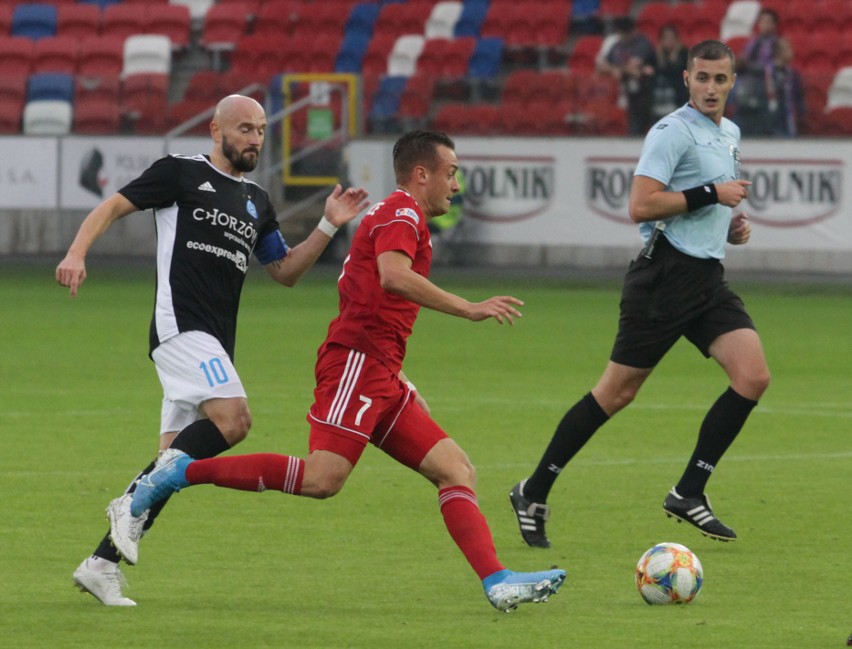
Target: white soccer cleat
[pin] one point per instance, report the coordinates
(105, 585)
(125, 530)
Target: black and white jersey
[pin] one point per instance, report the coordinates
(208, 224)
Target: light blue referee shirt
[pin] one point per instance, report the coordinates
(686, 149)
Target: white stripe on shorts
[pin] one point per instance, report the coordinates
(354, 363)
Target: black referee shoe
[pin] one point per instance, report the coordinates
(697, 512)
(531, 517)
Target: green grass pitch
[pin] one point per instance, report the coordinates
(374, 566)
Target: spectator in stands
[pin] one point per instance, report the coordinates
(785, 99)
(670, 92)
(631, 60)
(751, 67)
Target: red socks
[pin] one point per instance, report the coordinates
(469, 529)
(256, 472)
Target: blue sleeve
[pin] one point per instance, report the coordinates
(271, 248)
(664, 147)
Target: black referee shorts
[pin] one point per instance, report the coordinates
(670, 296)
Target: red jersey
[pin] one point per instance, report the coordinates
(372, 320)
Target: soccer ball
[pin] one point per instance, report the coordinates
(669, 573)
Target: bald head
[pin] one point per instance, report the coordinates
(238, 129)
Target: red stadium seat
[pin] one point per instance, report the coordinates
(467, 119)
(225, 24)
(257, 58)
(417, 96)
(143, 92)
(402, 18)
(101, 55)
(13, 87)
(96, 117)
(585, 53)
(57, 54)
(11, 113)
(5, 18)
(185, 110)
(105, 87)
(80, 21)
(174, 22)
(122, 20)
(446, 58)
(376, 57)
(277, 17)
(16, 54)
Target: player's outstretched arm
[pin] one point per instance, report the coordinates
(71, 271)
(397, 277)
(340, 208)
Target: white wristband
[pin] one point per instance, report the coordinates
(326, 227)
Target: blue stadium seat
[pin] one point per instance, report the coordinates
(486, 59)
(385, 104)
(362, 18)
(34, 21)
(100, 3)
(50, 85)
(352, 51)
(471, 18)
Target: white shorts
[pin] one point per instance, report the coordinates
(193, 368)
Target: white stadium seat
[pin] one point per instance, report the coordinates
(739, 19)
(443, 19)
(840, 92)
(147, 53)
(47, 117)
(402, 61)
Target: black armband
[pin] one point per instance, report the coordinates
(700, 196)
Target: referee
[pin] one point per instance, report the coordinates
(210, 219)
(684, 188)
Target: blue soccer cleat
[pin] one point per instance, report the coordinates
(506, 589)
(167, 477)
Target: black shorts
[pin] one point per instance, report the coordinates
(670, 296)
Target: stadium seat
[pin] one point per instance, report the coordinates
(125, 19)
(205, 85)
(5, 18)
(403, 18)
(739, 19)
(142, 91)
(652, 16)
(96, 117)
(147, 53)
(172, 21)
(402, 60)
(13, 87)
(183, 111)
(101, 55)
(50, 85)
(48, 117)
(472, 16)
(448, 58)
(466, 119)
(106, 87)
(277, 17)
(384, 105)
(10, 116)
(584, 54)
(362, 18)
(487, 58)
(839, 120)
(224, 25)
(80, 21)
(16, 53)
(607, 9)
(101, 4)
(351, 53)
(375, 59)
(57, 54)
(840, 92)
(34, 20)
(325, 19)
(416, 98)
(257, 58)
(442, 21)
(197, 8)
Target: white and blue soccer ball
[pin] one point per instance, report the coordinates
(669, 573)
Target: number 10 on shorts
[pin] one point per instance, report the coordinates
(215, 372)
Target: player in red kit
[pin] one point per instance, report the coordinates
(362, 395)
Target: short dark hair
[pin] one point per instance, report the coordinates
(418, 148)
(710, 51)
(766, 11)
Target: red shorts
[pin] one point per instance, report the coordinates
(359, 400)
